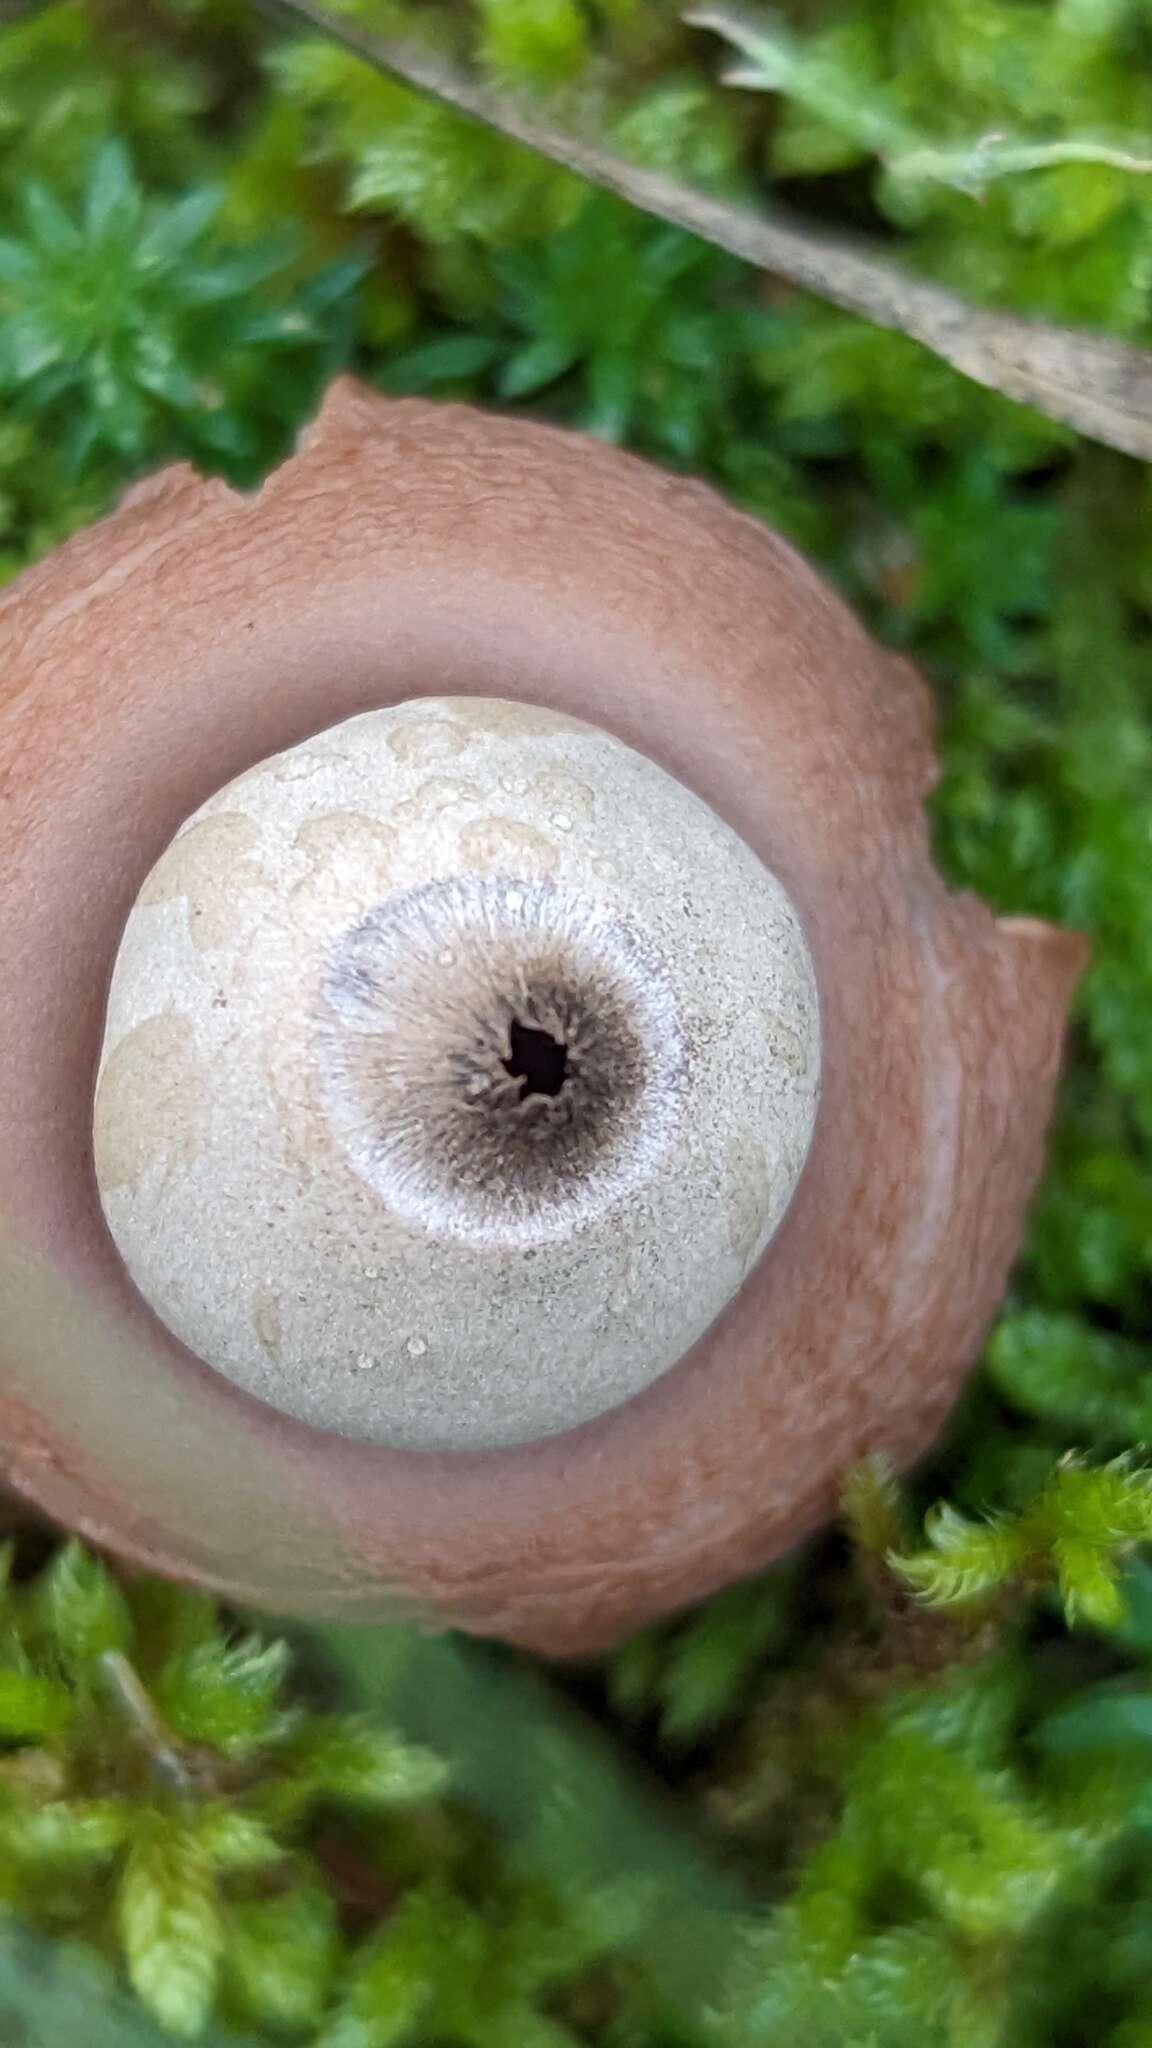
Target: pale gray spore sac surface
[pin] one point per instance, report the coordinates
(513, 1058)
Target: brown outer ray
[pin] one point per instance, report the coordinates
(411, 549)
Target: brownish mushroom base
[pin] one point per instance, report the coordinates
(410, 550)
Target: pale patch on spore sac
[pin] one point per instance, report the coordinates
(506, 720)
(521, 1091)
(301, 1116)
(492, 843)
(351, 858)
(153, 1103)
(436, 797)
(349, 837)
(337, 841)
(267, 1320)
(298, 764)
(565, 796)
(747, 1195)
(426, 741)
(786, 1045)
(212, 865)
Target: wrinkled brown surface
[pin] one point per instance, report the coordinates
(419, 550)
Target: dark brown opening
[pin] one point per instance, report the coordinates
(512, 1091)
(536, 1059)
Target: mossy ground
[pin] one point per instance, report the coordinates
(899, 1826)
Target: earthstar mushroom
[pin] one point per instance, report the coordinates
(498, 1109)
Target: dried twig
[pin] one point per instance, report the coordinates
(1100, 386)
